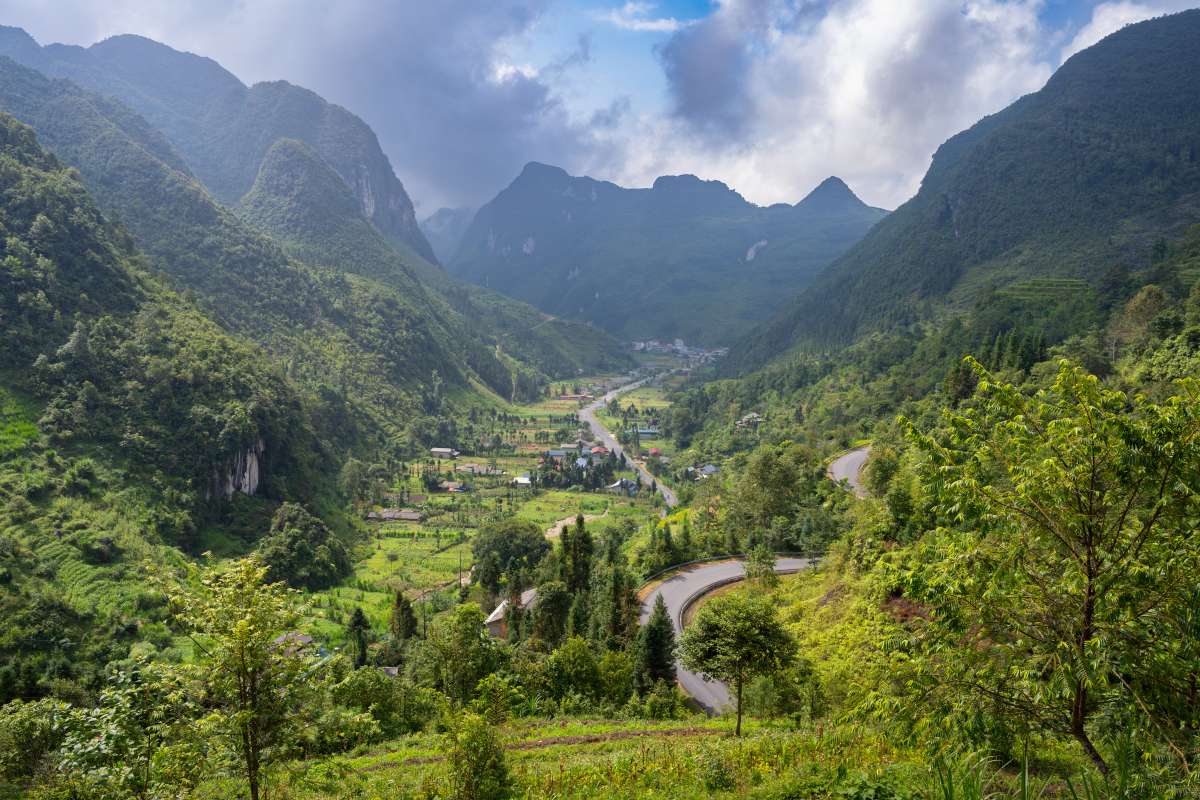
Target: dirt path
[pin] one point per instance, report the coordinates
(553, 529)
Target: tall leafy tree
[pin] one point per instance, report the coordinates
(735, 638)
(255, 683)
(461, 654)
(1064, 588)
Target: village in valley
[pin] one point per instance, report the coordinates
(537, 462)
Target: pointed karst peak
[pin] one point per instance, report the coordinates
(832, 193)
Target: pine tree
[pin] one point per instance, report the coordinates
(655, 656)
(357, 632)
(578, 546)
(403, 622)
(577, 625)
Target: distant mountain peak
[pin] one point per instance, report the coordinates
(667, 183)
(832, 193)
(538, 168)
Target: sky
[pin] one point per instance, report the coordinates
(769, 96)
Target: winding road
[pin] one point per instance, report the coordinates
(587, 414)
(848, 465)
(680, 591)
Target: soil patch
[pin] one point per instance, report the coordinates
(556, 527)
(904, 610)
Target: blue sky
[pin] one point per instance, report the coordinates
(769, 96)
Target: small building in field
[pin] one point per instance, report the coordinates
(409, 515)
(451, 486)
(444, 453)
(495, 625)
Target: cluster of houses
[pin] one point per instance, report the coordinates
(583, 458)
(697, 356)
(624, 486)
(655, 346)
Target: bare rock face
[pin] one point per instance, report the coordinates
(241, 473)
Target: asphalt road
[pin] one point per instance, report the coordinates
(848, 466)
(679, 591)
(586, 415)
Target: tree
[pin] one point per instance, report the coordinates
(477, 766)
(256, 678)
(353, 478)
(511, 539)
(572, 668)
(1133, 327)
(140, 742)
(551, 611)
(490, 574)
(403, 622)
(358, 632)
(760, 569)
(462, 654)
(577, 548)
(654, 649)
(302, 551)
(1065, 583)
(734, 638)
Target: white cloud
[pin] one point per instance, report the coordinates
(503, 72)
(1111, 17)
(633, 16)
(772, 100)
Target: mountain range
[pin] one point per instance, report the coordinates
(1066, 183)
(224, 128)
(686, 258)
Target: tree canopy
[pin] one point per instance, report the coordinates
(1064, 582)
(735, 637)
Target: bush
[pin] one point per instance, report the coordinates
(477, 766)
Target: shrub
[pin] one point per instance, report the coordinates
(477, 767)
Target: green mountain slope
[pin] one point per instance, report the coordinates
(128, 422)
(299, 200)
(224, 128)
(341, 334)
(225, 132)
(1089, 171)
(687, 258)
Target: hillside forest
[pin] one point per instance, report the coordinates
(288, 511)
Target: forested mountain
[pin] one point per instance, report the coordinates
(129, 422)
(687, 258)
(350, 330)
(1086, 173)
(223, 132)
(299, 200)
(224, 128)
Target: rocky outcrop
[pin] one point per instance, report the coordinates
(240, 474)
